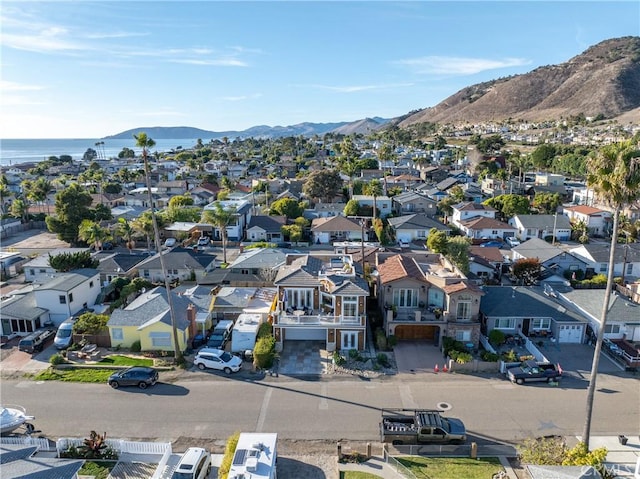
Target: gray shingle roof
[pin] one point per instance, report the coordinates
(18, 463)
(179, 258)
(68, 281)
(267, 223)
(21, 307)
(152, 305)
(591, 301)
(415, 221)
(523, 302)
(537, 248)
(259, 258)
(600, 252)
(544, 221)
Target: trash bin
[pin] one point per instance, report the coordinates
(622, 439)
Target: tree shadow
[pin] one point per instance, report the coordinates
(288, 467)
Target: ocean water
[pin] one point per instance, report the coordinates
(23, 151)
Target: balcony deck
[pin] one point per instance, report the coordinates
(320, 319)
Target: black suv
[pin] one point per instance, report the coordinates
(35, 342)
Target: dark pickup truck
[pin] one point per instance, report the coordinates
(411, 426)
(529, 371)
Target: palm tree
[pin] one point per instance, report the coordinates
(220, 217)
(143, 225)
(373, 188)
(126, 231)
(614, 175)
(92, 233)
(144, 142)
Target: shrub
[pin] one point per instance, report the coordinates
(56, 359)
(265, 329)
(136, 346)
(381, 340)
(490, 357)
(383, 360)
(229, 451)
(450, 344)
(392, 341)
(264, 351)
(510, 356)
(496, 337)
(464, 358)
(338, 360)
(354, 355)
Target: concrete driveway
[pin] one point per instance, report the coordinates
(576, 360)
(417, 357)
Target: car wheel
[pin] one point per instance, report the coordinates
(142, 385)
(227, 370)
(114, 384)
(201, 366)
(520, 381)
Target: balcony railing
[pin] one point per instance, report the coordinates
(319, 320)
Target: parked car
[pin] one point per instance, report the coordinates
(217, 359)
(493, 244)
(195, 463)
(512, 241)
(404, 244)
(170, 242)
(204, 241)
(64, 335)
(220, 335)
(34, 343)
(140, 376)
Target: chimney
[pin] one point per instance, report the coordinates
(191, 317)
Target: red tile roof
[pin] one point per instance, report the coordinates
(584, 209)
(399, 267)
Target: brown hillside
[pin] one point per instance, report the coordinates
(604, 80)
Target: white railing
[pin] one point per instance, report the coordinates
(317, 319)
(40, 442)
(163, 463)
(528, 344)
(119, 445)
(484, 341)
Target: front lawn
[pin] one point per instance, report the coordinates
(97, 469)
(357, 475)
(74, 375)
(451, 467)
(119, 360)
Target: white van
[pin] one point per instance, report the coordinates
(64, 335)
(195, 463)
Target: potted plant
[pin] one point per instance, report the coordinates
(438, 313)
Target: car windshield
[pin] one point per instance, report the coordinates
(182, 475)
(64, 333)
(226, 357)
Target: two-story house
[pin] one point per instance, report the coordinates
(266, 228)
(410, 202)
(241, 216)
(181, 264)
(335, 228)
(382, 203)
(599, 222)
(321, 298)
(468, 210)
(541, 226)
(423, 296)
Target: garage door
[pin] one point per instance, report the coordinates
(418, 331)
(569, 333)
(301, 334)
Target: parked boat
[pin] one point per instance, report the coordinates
(12, 417)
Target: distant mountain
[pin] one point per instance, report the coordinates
(602, 81)
(263, 131)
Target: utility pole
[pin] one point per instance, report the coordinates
(362, 223)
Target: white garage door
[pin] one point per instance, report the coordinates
(570, 333)
(300, 334)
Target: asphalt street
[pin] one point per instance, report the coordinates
(212, 407)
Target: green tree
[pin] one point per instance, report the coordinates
(102, 213)
(286, 207)
(20, 209)
(445, 205)
(458, 252)
(509, 205)
(4, 193)
(373, 188)
(437, 241)
(91, 323)
(614, 175)
(144, 226)
(351, 208)
(72, 205)
(294, 232)
(127, 232)
(547, 203)
(37, 191)
(221, 218)
(179, 201)
(65, 262)
(323, 184)
(93, 234)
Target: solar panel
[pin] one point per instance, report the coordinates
(239, 457)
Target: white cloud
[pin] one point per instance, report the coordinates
(13, 86)
(100, 36)
(45, 41)
(458, 65)
(358, 88)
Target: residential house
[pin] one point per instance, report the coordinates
(626, 260)
(551, 258)
(423, 296)
(623, 316)
(230, 302)
(410, 202)
(325, 210)
(38, 270)
(252, 267)
(432, 173)
(541, 226)
(20, 314)
(181, 264)
(335, 228)
(599, 222)
(382, 203)
(528, 311)
(485, 228)
(242, 215)
(21, 461)
(11, 264)
(468, 210)
(487, 256)
(173, 188)
(321, 298)
(119, 265)
(415, 227)
(266, 228)
(147, 319)
(202, 297)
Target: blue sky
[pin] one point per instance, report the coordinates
(87, 69)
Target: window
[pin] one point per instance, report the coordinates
(350, 306)
(161, 340)
(422, 233)
(405, 298)
(116, 334)
(91, 284)
(32, 272)
(63, 299)
(145, 273)
(463, 310)
(42, 271)
(629, 268)
(603, 267)
(612, 329)
(71, 297)
(299, 298)
(505, 323)
(463, 336)
(541, 323)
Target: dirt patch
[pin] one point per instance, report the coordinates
(33, 239)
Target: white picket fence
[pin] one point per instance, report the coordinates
(119, 445)
(40, 442)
